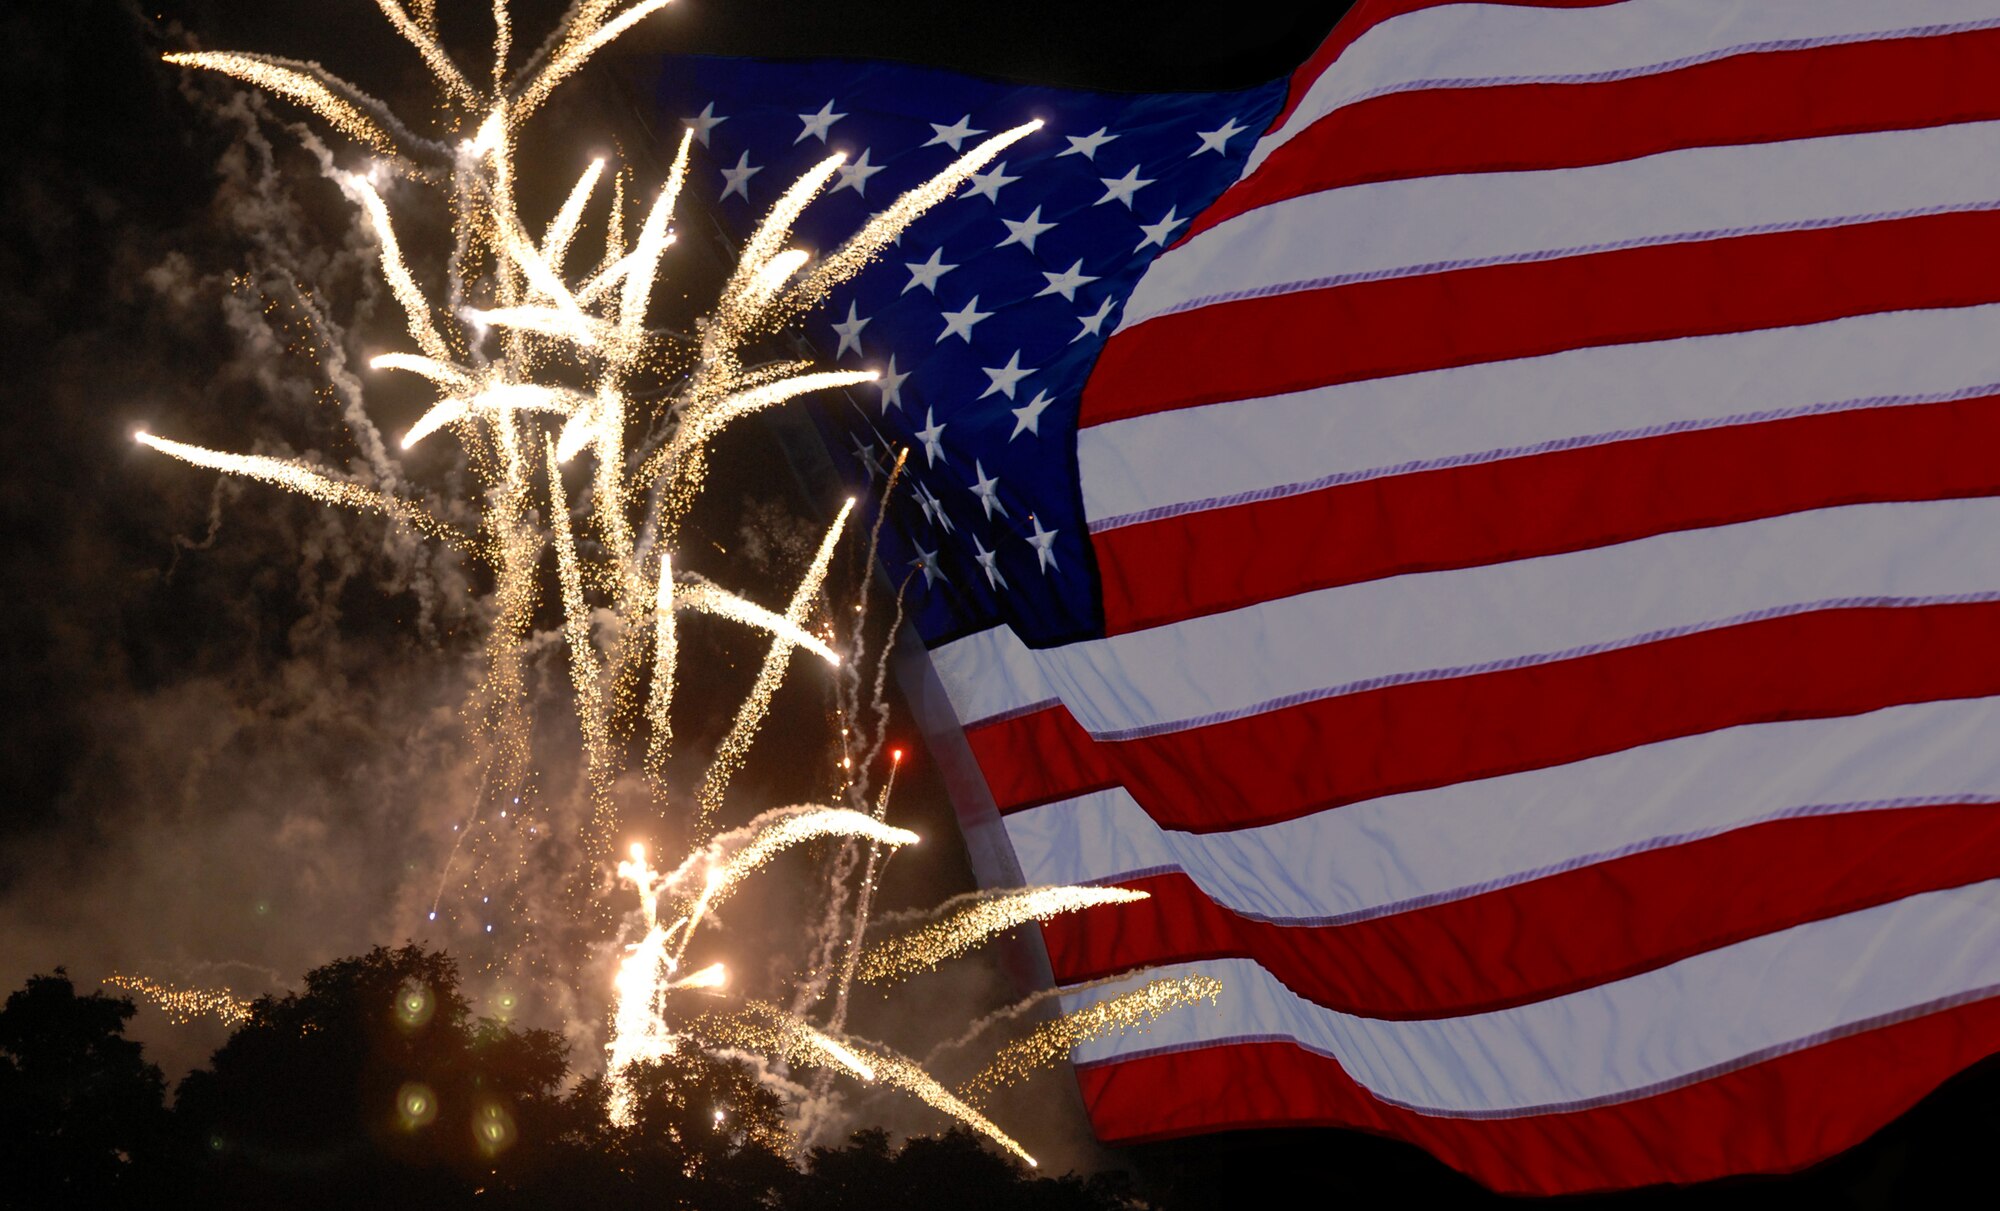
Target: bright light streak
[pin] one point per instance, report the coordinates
(975, 918)
(294, 82)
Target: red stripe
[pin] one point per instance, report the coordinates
(1366, 16)
(1221, 559)
(1782, 1114)
(1287, 763)
(1553, 935)
(1893, 84)
(1312, 338)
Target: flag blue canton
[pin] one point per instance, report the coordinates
(986, 317)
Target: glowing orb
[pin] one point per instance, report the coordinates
(416, 1105)
(493, 1128)
(414, 1006)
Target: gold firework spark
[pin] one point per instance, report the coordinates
(185, 1004)
(1053, 1041)
(984, 915)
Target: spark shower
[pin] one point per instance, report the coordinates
(544, 370)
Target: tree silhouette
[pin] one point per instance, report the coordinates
(376, 1085)
(955, 1170)
(81, 1114)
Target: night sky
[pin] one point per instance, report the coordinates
(232, 749)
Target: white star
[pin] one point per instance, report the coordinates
(864, 451)
(1004, 377)
(932, 435)
(1217, 140)
(951, 136)
(988, 491)
(933, 508)
(1086, 145)
(737, 180)
(891, 386)
(989, 184)
(986, 560)
(927, 273)
(850, 332)
(1044, 542)
(1122, 188)
(928, 561)
(1028, 417)
(1066, 282)
(703, 122)
(1157, 233)
(959, 323)
(1025, 231)
(856, 175)
(818, 124)
(1092, 323)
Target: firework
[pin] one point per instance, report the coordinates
(972, 919)
(769, 1029)
(1053, 1041)
(533, 366)
(305, 480)
(184, 1004)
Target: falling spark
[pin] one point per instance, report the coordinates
(897, 1071)
(988, 915)
(289, 473)
(652, 243)
(416, 309)
(293, 81)
(1053, 1040)
(562, 228)
(184, 1005)
(734, 856)
(712, 976)
(730, 754)
(666, 649)
(442, 373)
(426, 43)
(879, 231)
(766, 1027)
(584, 668)
(711, 600)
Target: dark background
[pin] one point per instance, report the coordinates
(216, 696)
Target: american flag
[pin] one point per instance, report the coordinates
(1497, 533)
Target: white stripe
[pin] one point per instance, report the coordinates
(1405, 851)
(1471, 44)
(1354, 637)
(1726, 1007)
(1431, 224)
(1214, 455)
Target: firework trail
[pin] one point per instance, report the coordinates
(974, 918)
(1053, 1041)
(303, 479)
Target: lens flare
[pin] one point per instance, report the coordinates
(416, 1105)
(493, 1128)
(414, 1006)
